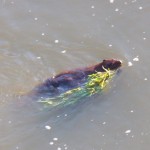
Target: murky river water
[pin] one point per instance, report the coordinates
(39, 39)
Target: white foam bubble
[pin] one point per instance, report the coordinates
(47, 127)
(127, 131)
(116, 9)
(55, 139)
(64, 51)
(136, 59)
(104, 123)
(51, 143)
(130, 64)
(38, 57)
(111, 1)
(56, 41)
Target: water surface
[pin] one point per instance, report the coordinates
(39, 39)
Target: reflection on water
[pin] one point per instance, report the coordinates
(41, 38)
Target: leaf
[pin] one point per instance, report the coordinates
(95, 83)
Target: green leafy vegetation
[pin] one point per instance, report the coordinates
(95, 83)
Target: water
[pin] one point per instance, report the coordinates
(39, 39)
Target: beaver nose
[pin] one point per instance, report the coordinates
(119, 62)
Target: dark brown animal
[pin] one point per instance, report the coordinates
(74, 78)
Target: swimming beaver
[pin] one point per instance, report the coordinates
(71, 79)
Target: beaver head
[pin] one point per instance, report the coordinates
(111, 64)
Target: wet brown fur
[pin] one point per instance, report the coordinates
(70, 79)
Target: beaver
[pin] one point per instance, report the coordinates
(70, 79)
